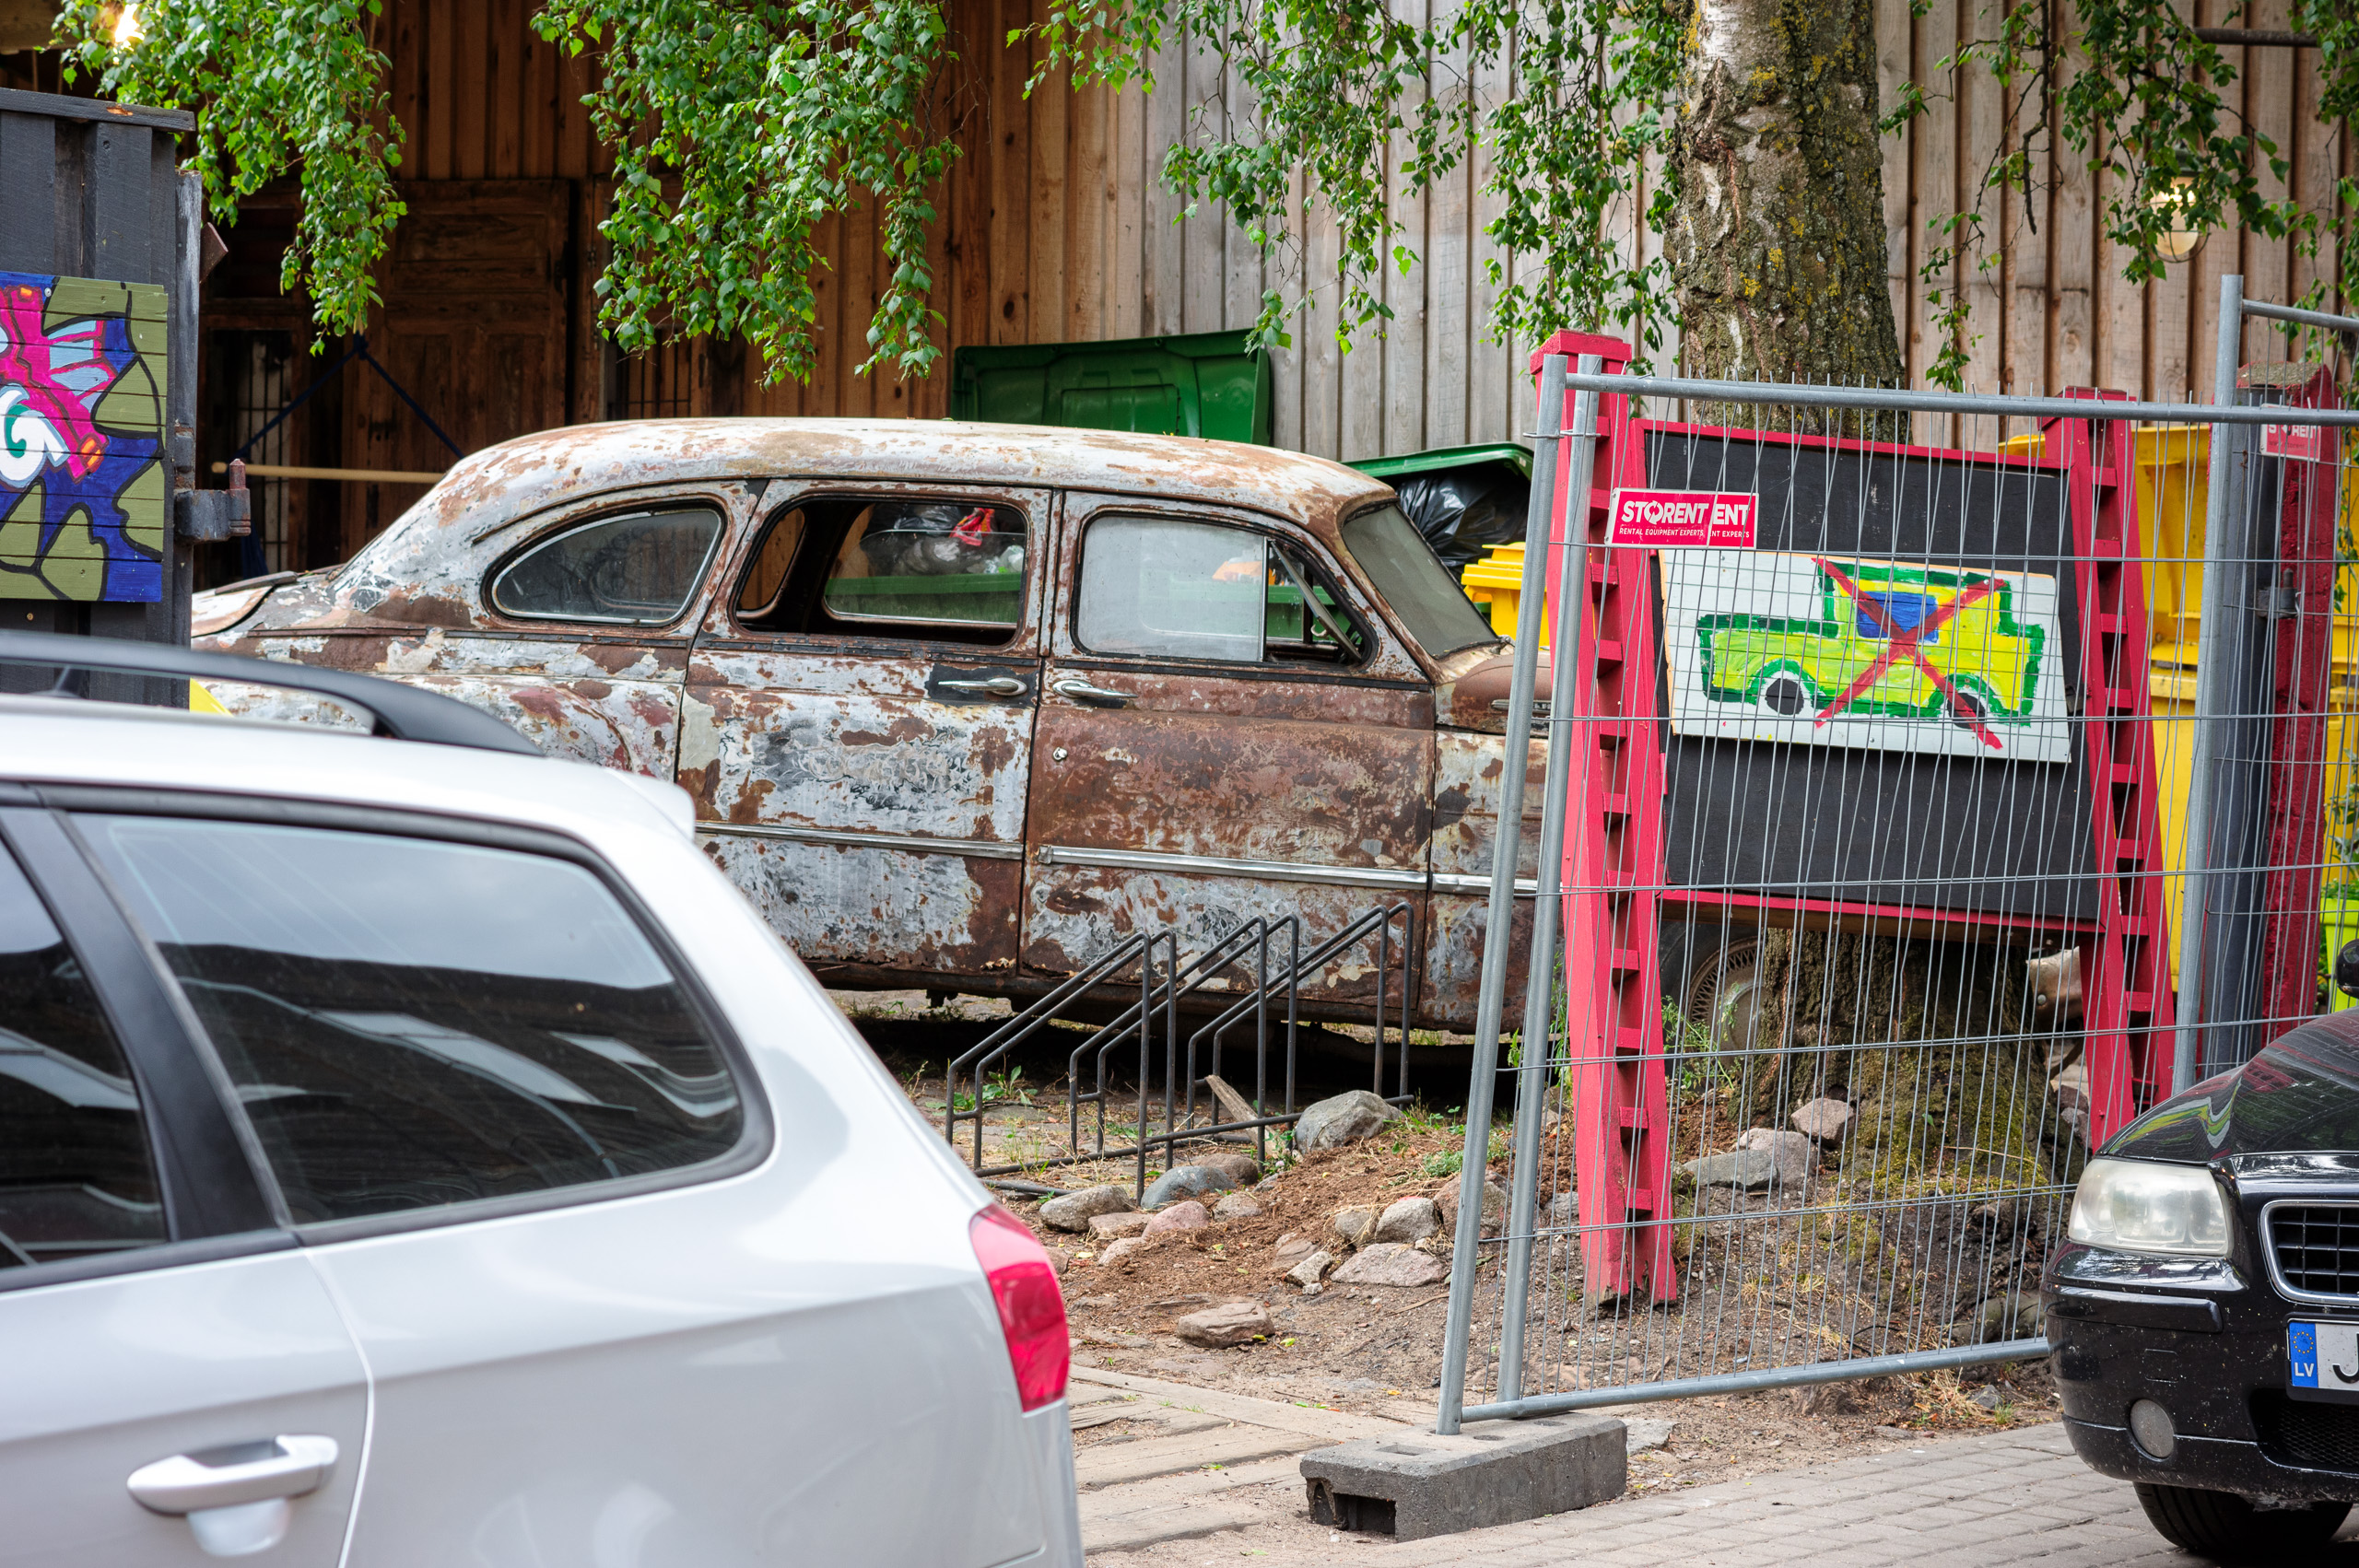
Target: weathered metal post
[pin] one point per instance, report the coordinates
(1579, 449)
(1499, 921)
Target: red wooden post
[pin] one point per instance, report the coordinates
(1614, 866)
(2127, 1009)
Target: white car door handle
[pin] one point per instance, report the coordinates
(224, 1478)
(1082, 691)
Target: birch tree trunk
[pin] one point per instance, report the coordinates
(1778, 243)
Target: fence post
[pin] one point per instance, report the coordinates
(1580, 458)
(1500, 918)
(2211, 653)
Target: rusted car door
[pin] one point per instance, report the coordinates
(858, 725)
(1226, 730)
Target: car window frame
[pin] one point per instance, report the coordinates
(756, 1134)
(1039, 504)
(1377, 664)
(219, 1200)
(502, 565)
(492, 549)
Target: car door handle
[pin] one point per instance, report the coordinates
(244, 1472)
(998, 685)
(1082, 691)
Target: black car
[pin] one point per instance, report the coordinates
(2204, 1313)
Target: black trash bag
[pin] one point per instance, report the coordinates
(1464, 511)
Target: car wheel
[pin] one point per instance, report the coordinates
(2222, 1525)
(1967, 710)
(1785, 696)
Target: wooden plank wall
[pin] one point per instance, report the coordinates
(1059, 230)
(1055, 227)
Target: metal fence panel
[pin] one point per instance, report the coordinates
(1872, 749)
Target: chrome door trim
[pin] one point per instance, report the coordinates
(973, 848)
(1456, 882)
(1264, 871)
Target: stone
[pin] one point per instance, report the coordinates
(1356, 1225)
(1796, 1154)
(1107, 1227)
(1408, 1220)
(1417, 1484)
(1823, 1120)
(1311, 1269)
(1073, 1211)
(1242, 1169)
(1341, 1119)
(1188, 1215)
(1389, 1263)
(1987, 1398)
(1116, 1249)
(1495, 1208)
(1230, 1323)
(1564, 1209)
(1185, 1181)
(2017, 1315)
(1747, 1170)
(1292, 1249)
(1235, 1206)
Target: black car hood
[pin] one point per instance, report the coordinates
(2300, 1095)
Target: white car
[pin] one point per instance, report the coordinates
(418, 1154)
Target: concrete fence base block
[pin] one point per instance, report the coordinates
(1494, 1472)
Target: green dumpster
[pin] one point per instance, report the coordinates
(1201, 384)
(1463, 499)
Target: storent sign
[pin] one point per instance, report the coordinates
(1668, 519)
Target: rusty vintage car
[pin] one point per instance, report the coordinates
(962, 705)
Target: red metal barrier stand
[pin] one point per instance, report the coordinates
(2128, 1008)
(2302, 668)
(1614, 866)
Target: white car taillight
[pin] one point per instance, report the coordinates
(1031, 1305)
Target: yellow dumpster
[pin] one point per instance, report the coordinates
(2172, 474)
(1496, 582)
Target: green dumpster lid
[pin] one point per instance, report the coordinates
(1446, 457)
(1198, 384)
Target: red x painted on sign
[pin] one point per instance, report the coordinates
(1904, 646)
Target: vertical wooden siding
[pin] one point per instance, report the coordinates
(1058, 229)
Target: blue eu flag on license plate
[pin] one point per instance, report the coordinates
(2302, 1350)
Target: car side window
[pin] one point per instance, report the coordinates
(918, 567)
(77, 1176)
(413, 1023)
(640, 569)
(1180, 590)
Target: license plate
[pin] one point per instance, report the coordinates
(2323, 1361)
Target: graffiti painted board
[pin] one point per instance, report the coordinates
(82, 482)
(1837, 650)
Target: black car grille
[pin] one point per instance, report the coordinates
(2317, 1248)
(2314, 1436)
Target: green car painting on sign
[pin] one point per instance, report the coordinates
(1903, 642)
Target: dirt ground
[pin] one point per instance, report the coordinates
(1376, 1349)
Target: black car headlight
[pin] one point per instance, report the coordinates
(2142, 1206)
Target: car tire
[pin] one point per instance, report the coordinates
(1968, 711)
(2224, 1525)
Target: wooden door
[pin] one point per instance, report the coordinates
(472, 328)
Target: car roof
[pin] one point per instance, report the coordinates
(68, 742)
(531, 471)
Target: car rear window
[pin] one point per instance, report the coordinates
(413, 1022)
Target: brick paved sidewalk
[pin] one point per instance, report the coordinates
(2008, 1498)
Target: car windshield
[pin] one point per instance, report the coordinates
(1413, 581)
